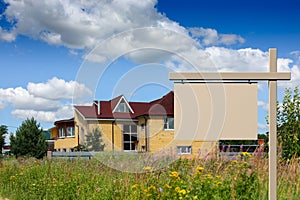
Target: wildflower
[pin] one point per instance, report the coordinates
(174, 174)
(148, 195)
(195, 197)
(160, 189)
(134, 186)
(147, 168)
(183, 191)
(177, 189)
(12, 177)
(245, 154)
(219, 183)
(200, 169)
(218, 176)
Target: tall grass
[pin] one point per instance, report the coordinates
(245, 177)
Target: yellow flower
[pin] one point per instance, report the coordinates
(218, 176)
(182, 192)
(245, 154)
(134, 186)
(200, 169)
(219, 183)
(168, 186)
(177, 189)
(148, 195)
(195, 197)
(174, 174)
(12, 177)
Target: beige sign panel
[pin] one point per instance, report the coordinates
(214, 111)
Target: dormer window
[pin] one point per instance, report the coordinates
(122, 107)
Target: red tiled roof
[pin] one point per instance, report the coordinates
(162, 106)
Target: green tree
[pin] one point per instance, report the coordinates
(94, 141)
(29, 140)
(3, 132)
(288, 119)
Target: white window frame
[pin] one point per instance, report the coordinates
(61, 132)
(130, 133)
(167, 123)
(184, 150)
(72, 131)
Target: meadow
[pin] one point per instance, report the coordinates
(244, 177)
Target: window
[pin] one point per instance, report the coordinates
(130, 137)
(184, 149)
(61, 133)
(169, 123)
(70, 132)
(122, 107)
(143, 127)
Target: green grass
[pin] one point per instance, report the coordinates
(244, 178)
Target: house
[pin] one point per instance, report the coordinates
(128, 126)
(64, 135)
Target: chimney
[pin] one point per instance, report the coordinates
(98, 107)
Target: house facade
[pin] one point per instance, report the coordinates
(64, 135)
(128, 126)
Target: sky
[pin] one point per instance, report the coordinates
(55, 54)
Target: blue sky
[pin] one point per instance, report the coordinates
(101, 49)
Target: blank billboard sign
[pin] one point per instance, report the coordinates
(215, 111)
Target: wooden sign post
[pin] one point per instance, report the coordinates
(272, 76)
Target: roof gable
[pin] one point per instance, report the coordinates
(122, 106)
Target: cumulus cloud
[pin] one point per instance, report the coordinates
(44, 101)
(56, 89)
(22, 99)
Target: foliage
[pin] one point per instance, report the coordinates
(288, 117)
(29, 140)
(80, 147)
(94, 141)
(241, 178)
(3, 132)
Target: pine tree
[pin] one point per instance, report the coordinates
(29, 140)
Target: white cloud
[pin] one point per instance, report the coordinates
(63, 112)
(22, 99)
(44, 101)
(41, 116)
(210, 37)
(56, 89)
(7, 36)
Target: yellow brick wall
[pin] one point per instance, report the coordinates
(65, 143)
(159, 139)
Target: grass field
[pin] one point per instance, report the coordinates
(245, 177)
